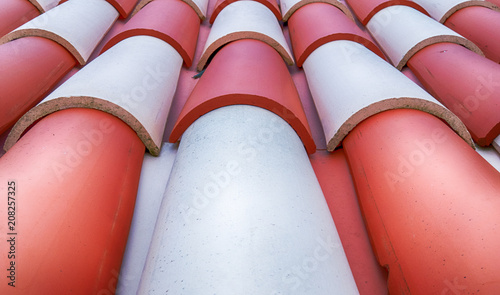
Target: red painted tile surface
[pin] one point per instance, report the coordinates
(76, 173)
(335, 179)
(430, 203)
(14, 13)
(173, 21)
(124, 7)
(271, 4)
(31, 67)
(318, 23)
(466, 83)
(480, 25)
(246, 72)
(366, 9)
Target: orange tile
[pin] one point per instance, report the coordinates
(466, 83)
(76, 174)
(430, 203)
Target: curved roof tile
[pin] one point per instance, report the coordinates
(77, 25)
(349, 83)
(44, 5)
(221, 4)
(366, 9)
(14, 13)
(25, 78)
(246, 72)
(441, 10)
(199, 6)
(402, 31)
(172, 21)
(466, 83)
(318, 23)
(245, 20)
(483, 30)
(119, 82)
(289, 7)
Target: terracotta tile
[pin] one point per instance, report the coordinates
(402, 31)
(25, 78)
(44, 5)
(465, 83)
(221, 4)
(430, 203)
(443, 9)
(78, 26)
(246, 72)
(318, 23)
(199, 6)
(119, 82)
(124, 7)
(245, 20)
(334, 176)
(480, 25)
(366, 9)
(349, 83)
(14, 13)
(288, 7)
(243, 213)
(172, 21)
(71, 229)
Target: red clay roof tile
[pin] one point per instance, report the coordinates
(134, 81)
(14, 13)
(78, 25)
(221, 4)
(430, 204)
(31, 67)
(464, 82)
(481, 26)
(48, 167)
(318, 23)
(172, 21)
(289, 7)
(245, 20)
(246, 72)
(366, 9)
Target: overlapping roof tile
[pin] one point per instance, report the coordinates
(396, 182)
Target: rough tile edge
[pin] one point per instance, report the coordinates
(239, 36)
(244, 99)
(336, 37)
(434, 40)
(63, 103)
(400, 103)
(275, 9)
(188, 58)
(386, 4)
(39, 6)
(465, 5)
(123, 11)
(17, 34)
(193, 5)
(335, 3)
